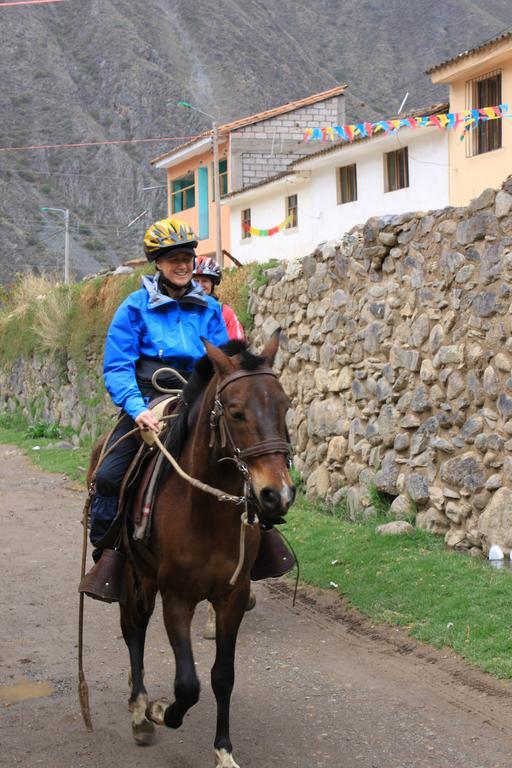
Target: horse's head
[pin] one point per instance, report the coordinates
(250, 416)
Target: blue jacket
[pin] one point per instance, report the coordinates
(150, 324)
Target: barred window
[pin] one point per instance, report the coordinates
(484, 91)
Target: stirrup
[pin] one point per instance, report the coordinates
(104, 580)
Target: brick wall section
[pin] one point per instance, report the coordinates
(258, 166)
(293, 124)
(284, 141)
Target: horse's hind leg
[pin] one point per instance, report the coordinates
(229, 616)
(178, 617)
(135, 615)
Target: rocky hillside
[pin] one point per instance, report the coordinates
(114, 69)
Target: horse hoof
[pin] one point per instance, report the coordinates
(209, 631)
(251, 601)
(143, 733)
(156, 710)
(224, 759)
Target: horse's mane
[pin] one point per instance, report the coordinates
(194, 388)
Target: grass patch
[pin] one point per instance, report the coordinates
(439, 596)
(47, 456)
(40, 315)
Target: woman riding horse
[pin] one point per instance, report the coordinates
(159, 325)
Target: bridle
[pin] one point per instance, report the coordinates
(218, 421)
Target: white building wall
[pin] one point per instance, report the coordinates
(267, 212)
(320, 217)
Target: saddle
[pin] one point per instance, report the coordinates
(138, 488)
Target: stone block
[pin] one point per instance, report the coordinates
(317, 484)
(417, 488)
(395, 528)
(495, 522)
(464, 471)
(503, 204)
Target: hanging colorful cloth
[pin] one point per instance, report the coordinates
(467, 119)
(254, 231)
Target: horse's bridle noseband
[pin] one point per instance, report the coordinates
(218, 419)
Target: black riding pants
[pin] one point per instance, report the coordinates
(113, 468)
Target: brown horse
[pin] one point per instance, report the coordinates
(239, 416)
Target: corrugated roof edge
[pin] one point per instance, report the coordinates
(437, 109)
(465, 54)
(290, 106)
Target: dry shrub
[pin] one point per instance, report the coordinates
(51, 320)
(233, 290)
(88, 295)
(28, 290)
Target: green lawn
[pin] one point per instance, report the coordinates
(72, 463)
(439, 596)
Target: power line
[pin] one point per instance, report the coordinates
(96, 143)
(31, 2)
(62, 173)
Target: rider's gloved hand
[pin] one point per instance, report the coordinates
(148, 420)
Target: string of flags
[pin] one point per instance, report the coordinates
(267, 232)
(467, 120)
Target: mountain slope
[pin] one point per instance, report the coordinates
(114, 69)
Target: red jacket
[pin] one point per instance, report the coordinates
(233, 326)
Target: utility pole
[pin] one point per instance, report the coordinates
(65, 211)
(66, 247)
(219, 256)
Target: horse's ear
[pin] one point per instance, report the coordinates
(269, 351)
(221, 362)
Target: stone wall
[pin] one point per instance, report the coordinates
(397, 354)
(49, 390)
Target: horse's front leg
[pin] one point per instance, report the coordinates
(136, 611)
(229, 615)
(178, 617)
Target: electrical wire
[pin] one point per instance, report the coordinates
(30, 2)
(96, 143)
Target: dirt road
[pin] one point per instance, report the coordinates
(316, 686)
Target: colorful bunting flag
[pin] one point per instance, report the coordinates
(267, 232)
(467, 120)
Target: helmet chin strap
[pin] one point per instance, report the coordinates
(162, 279)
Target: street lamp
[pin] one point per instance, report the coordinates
(65, 211)
(216, 179)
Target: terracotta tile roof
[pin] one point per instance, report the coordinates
(505, 35)
(242, 122)
(434, 109)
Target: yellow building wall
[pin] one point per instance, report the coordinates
(191, 215)
(470, 175)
